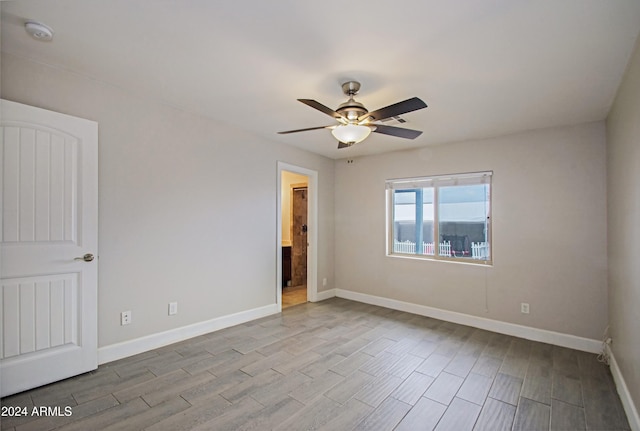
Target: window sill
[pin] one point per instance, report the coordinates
(459, 261)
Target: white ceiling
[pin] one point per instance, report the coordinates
(485, 68)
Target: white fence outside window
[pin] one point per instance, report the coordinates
(479, 250)
(427, 247)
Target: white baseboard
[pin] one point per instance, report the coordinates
(325, 294)
(139, 345)
(623, 392)
(534, 334)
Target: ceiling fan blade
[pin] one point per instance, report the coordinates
(304, 130)
(343, 145)
(399, 108)
(320, 107)
(397, 131)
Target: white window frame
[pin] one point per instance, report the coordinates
(437, 181)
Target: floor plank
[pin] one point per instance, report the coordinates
(425, 415)
(460, 416)
(531, 415)
(412, 388)
(444, 388)
(506, 388)
(537, 383)
(475, 388)
(495, 416)
(566, 416)
(348, 416)
(385, 417)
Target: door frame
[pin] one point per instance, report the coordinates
(312, 234)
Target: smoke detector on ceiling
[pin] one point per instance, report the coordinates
(38, 31)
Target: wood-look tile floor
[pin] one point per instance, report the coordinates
(338, 365)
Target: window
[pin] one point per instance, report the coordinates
(445, 217)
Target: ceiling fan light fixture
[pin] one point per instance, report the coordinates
(351, 133)
(355, 122)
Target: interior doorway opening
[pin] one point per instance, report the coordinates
(295, 206)
(292, 179)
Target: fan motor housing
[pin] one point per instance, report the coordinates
(351, 109)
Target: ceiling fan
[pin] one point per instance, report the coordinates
(355, 122)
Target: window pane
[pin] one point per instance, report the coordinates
(413, 224)
(463, 213)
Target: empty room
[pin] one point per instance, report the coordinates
(420, 215)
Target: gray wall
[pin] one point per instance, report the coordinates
(623, 187)
(549, 230)
(187, 205)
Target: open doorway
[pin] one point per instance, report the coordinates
(297, 238)
(295, 205)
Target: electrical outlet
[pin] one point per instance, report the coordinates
(173, 308)
(125, 317)
(524, 307)
(324, 281)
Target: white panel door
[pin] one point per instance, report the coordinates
(49, 210)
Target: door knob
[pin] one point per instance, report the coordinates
(87, 257)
